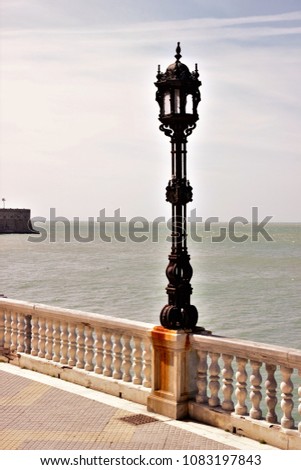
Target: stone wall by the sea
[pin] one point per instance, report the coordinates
(15, 221)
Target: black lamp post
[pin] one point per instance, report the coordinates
(178, 97)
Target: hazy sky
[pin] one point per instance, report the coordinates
(79, 127)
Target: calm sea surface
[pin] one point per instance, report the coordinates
(249, 290)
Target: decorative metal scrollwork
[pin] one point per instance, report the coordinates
(189, 130)
(167, 131)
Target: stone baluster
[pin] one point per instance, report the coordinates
(241, 387)
(287, 403)
(80, 351)
(2, 318)
(227, 388)
(271, 394)
(202, 381)
(21, 333)
(7, 330)
(14, 332)
(214, 380)
(108, 354)
(49, 339)
(137, 361)
(255, 393)
(147, 369)
(72, 345)
(89, 349)
(35, 336)
(28, 334)
(117, 361)
(64, 343)
(42, 337)
(56, 341)
(126, 354)
(299, 407)
(98, 351)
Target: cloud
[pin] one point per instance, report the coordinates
(79, 115)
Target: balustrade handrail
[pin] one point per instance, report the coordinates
(267, 353)
(107, 322)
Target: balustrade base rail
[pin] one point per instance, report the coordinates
(117, 388)
(259, 430)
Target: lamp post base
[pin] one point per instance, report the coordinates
(179, 318)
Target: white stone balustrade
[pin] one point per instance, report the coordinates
(244, 387)
(109, 349)
(260, 391)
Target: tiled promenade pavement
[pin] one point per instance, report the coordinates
(41, 412)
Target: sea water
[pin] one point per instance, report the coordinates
(248, 290)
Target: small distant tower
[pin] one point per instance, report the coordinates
(3, 200)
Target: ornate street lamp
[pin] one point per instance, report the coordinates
(178, 97)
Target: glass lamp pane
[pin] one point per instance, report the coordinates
(189, 104)
(177, 101)
(167, 103)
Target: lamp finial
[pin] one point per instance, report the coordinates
(178, 52)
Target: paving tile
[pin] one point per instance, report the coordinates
(39, 416)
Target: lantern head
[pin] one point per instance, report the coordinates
(178, 96)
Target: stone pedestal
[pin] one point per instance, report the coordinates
(174, 373)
